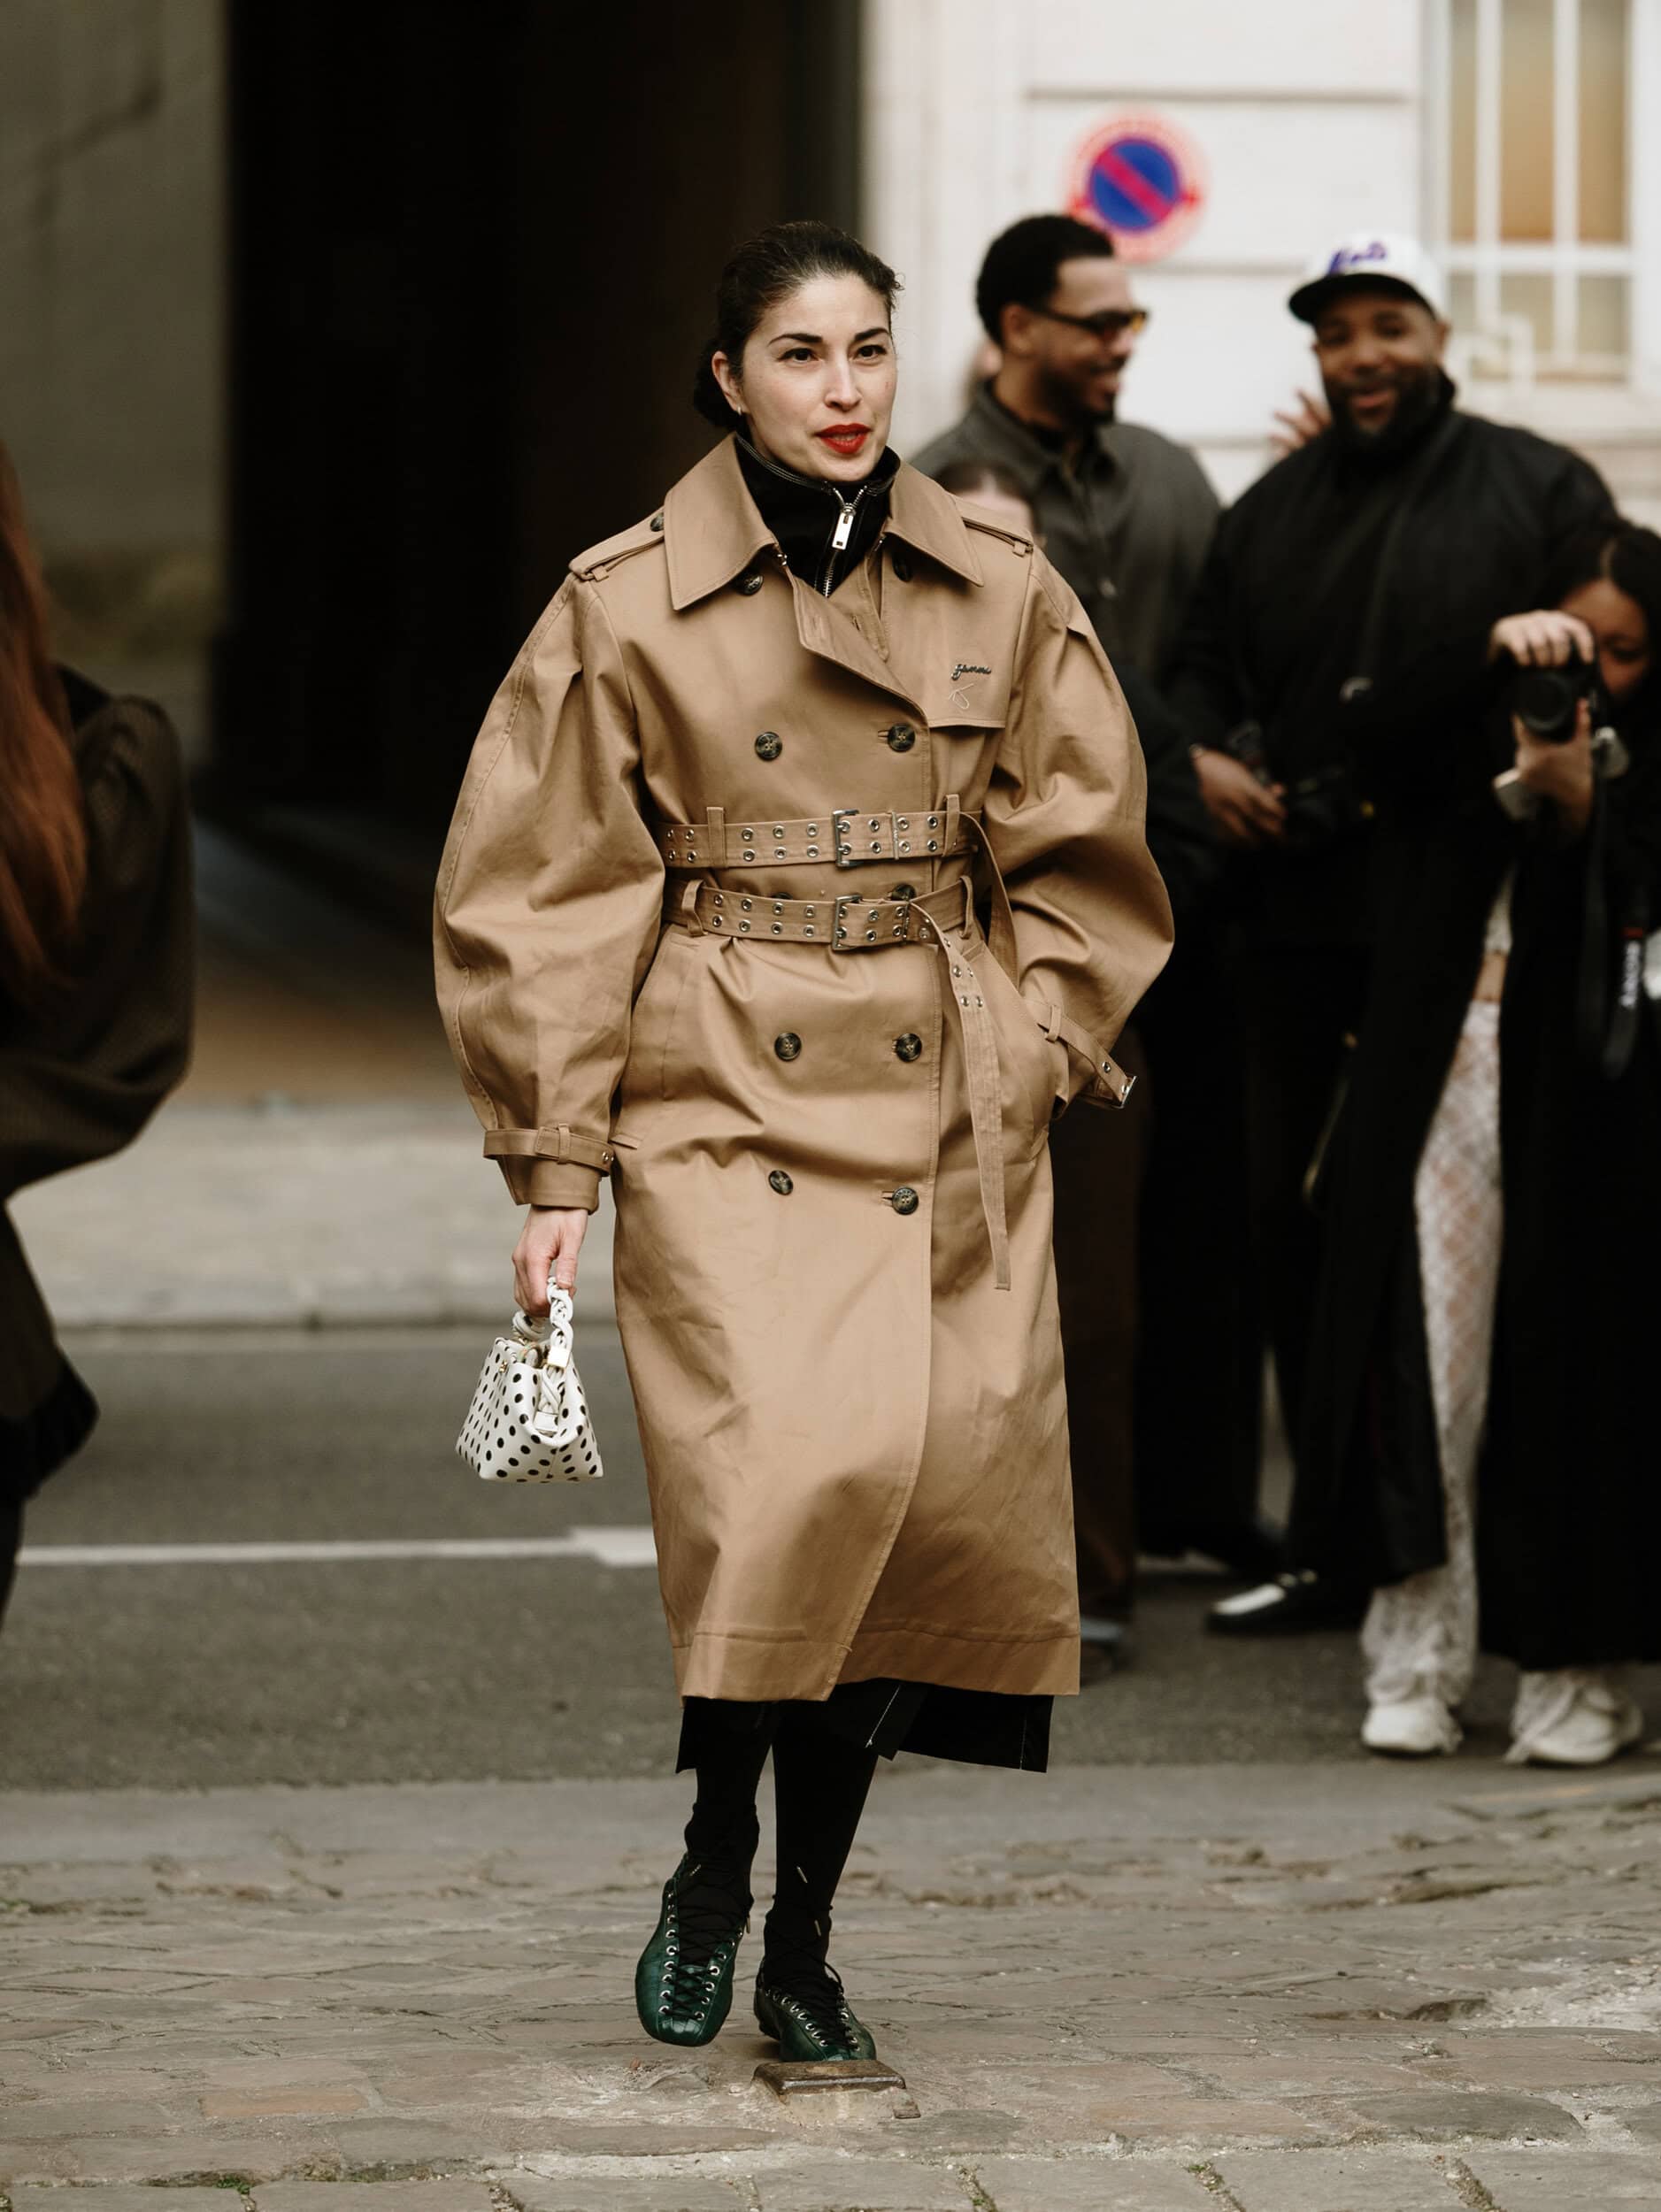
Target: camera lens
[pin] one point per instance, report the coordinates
(1544, 700)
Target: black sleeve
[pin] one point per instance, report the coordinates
(1180, 832)
(80, 1079)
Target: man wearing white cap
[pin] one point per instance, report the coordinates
(1336, 647)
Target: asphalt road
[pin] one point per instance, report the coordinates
(204, 1675)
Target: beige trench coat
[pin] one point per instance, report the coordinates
(823, 1106)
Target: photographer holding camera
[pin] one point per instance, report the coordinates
(1479, 1417)
(1343, 618)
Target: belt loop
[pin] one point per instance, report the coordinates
(687, 906)
(949, 843)
(715, 818)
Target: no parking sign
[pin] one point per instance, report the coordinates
(1143, 181)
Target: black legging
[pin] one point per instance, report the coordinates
(821, 1780)
(10, 1537)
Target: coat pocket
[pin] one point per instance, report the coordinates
(1036, 1072)
(652, 1023)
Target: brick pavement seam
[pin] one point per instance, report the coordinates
(1469, 2190)
(1210, 2179)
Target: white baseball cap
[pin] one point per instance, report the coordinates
(1384, 257)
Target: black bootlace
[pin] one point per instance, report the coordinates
(809, 1981)
(712, 1907)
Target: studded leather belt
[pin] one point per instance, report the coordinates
(846, 924)
(842, 836)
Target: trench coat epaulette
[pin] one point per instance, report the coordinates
(597, 563)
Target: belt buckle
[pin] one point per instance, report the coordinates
(856, 931)
(855, 827)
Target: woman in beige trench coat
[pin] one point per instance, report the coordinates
(798, 880)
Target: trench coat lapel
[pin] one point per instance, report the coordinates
(713, 531)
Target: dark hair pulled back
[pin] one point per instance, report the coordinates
(762, 271)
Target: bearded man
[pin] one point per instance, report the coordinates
(1345, 612)
(1125, 514)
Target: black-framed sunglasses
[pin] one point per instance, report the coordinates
(1113, 322)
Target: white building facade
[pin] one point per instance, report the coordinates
(1520, 139)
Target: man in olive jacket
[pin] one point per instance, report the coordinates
(1125, 514)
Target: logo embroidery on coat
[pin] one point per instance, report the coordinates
(969, 668)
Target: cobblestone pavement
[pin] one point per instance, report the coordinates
(1294, 1989)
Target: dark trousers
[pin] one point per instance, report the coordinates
(1300, 1004)
(1097, 1158)
(1199, 1369)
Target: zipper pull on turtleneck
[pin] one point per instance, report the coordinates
(844, 529)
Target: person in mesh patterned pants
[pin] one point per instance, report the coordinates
(1490, 1299)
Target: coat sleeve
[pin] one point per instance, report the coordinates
(1064, 820)
(80, 1077)
(549, 896)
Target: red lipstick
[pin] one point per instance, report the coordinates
(846, 438)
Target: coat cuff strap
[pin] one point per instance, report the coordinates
(569, 1146)
(1109, 1086)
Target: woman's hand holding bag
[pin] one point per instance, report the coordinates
(529, 1421)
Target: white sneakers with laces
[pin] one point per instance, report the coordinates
(1572, 1717)
(1415, 1727)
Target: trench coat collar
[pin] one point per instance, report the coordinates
(713, 530)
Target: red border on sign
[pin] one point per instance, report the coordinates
(1165, 238)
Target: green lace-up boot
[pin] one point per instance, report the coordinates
(683, 1985)
(808, 2014)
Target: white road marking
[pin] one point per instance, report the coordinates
(609, 1547)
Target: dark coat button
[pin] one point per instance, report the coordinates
(902, 565)
(788, 1047)
(905, 1200)
(748, 584)
(656, 522)
(902, 737)
(904, 891)
(769, 745)
(781, 1182)
(909, 1046)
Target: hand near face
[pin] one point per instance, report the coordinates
(1300, 425)
(1546, 638)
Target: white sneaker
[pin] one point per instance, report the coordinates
(1574, 1716)
(1411, 1728)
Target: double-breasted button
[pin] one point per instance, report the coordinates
(788, 1047)
(750, 585)
(769, 745)
(781, 1182)
(904, 891)
(909, 1046)
(902, 565)
(902, 737)
(656, 522)
(905, 1200)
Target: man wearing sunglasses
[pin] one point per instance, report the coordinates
(1125, 515)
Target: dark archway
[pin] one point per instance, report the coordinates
(472, 249)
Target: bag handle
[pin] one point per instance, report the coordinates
(553, 1333)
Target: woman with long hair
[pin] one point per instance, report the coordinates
(94, 974)
(798, 880)
(1482, 1431)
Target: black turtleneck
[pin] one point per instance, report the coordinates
(804, 512)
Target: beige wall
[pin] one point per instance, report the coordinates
(111, 313)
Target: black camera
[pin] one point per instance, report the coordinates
(1545, 701)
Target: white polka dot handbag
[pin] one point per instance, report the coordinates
(529, 1421)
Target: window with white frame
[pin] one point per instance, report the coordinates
(1530, 115)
